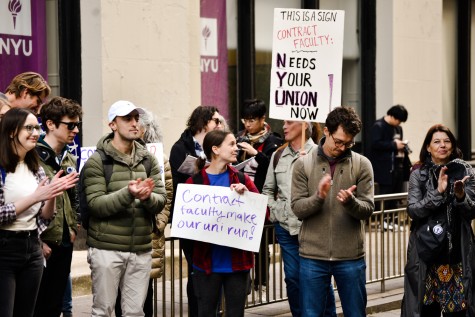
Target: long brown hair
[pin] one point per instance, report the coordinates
(424, 154)
(11, 124)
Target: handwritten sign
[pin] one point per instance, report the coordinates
(155, 148)
(307, 55)
(219, 216)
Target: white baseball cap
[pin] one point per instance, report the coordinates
(122, 108)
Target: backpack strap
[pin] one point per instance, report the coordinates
(307, 162)
(197, 178)
(107, 165)
(4, 174)
(242, 178)
(147, 163)
(356, 160)
(277, 156)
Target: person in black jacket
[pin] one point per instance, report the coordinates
(257, 142)
(439, 281)
(389, 154)
(202, 120)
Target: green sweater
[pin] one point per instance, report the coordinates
(118, 221)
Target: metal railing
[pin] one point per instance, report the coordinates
(387, 233)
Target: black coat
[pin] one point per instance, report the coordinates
(423, 198)
(180, 150)
(383, 150)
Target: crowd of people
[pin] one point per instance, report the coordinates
(320, 194)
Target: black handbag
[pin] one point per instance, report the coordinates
(432, 237)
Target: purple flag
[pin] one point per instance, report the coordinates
(214, 55)
(22, 39)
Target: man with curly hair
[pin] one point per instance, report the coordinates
(61, 120)
(333, 194)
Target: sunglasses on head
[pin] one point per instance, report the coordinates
(72, 125)
(216, 120)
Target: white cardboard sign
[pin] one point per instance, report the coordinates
(307, 56)
(219, 215)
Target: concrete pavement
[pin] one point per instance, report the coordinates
(380, 304)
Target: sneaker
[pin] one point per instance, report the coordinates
(398, 228)
(264, 293)
(387, 226)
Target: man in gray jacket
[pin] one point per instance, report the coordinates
(333, 194)
(121, 210)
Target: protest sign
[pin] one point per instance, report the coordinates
(155, 148)
(307, 56)
(218, 215)
(86, 152)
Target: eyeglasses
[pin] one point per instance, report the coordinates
(250, 121)
(72, 125)
(340, 143)
(216, 120)
(30, 128)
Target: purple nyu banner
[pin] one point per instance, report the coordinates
(214, 55)
(22, 39)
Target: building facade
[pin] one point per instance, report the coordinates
(150, 52)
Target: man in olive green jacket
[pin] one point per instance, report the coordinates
(121, 213)
(61, 120)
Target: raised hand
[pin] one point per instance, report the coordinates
(141, 189)
(324, 186)
(246, 147)
(443, 180)
(50, 189)
(344, 195)
(459, 188)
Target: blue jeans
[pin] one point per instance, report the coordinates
(350, 277)
(289, 246)
(68, 297)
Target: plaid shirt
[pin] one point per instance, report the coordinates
(8, 211)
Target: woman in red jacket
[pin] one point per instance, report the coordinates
(217, 267)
